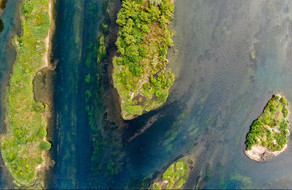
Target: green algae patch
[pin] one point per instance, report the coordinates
(268, 134)
(140, 74)
(244, 181)
(23, 145)
(174, 177)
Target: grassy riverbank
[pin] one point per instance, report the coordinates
(140, 74)
(24, 143)
(270, 130)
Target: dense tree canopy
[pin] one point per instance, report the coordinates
(142, 43)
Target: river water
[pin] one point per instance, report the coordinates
(219, 90)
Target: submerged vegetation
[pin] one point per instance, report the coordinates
(106, 154)
(140, 74)
(270, 130)
(23, 144)
(244, 182)
(174, 177)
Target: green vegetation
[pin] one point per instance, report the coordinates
(140, 183)
(271, 128)
(140, 74)
(45, 145)
(23, 144)
(174, 130)
(176, 175)
(106, 147)
(93, 99)
(155, 2)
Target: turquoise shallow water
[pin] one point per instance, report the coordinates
(218, 92)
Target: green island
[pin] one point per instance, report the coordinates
(268, 134)
(140, 74)
(174, 177)
(24, 144)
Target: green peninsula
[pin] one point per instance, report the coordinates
(174, 177)
(268, 134)
(24, 144)
(140, 74)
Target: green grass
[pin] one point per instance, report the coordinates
(140, 74)
(271, 128)
(23, 144)
(176, 175)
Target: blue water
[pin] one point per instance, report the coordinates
(219, 91)
(75, 29)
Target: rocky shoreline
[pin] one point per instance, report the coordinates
(260, 153)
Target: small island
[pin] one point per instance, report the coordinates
(24, 145)
(268, 134)
(174, 177)
(140, 74)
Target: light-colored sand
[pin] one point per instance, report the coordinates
(46, 57)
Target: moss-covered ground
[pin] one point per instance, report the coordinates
(140, 74)
(271, 128)
(23, 144)
(176, 175)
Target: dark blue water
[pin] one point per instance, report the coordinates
(219, 91)
(71, 136)
(68, 53)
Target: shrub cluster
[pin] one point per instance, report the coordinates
(142, 43)
(271, 128)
